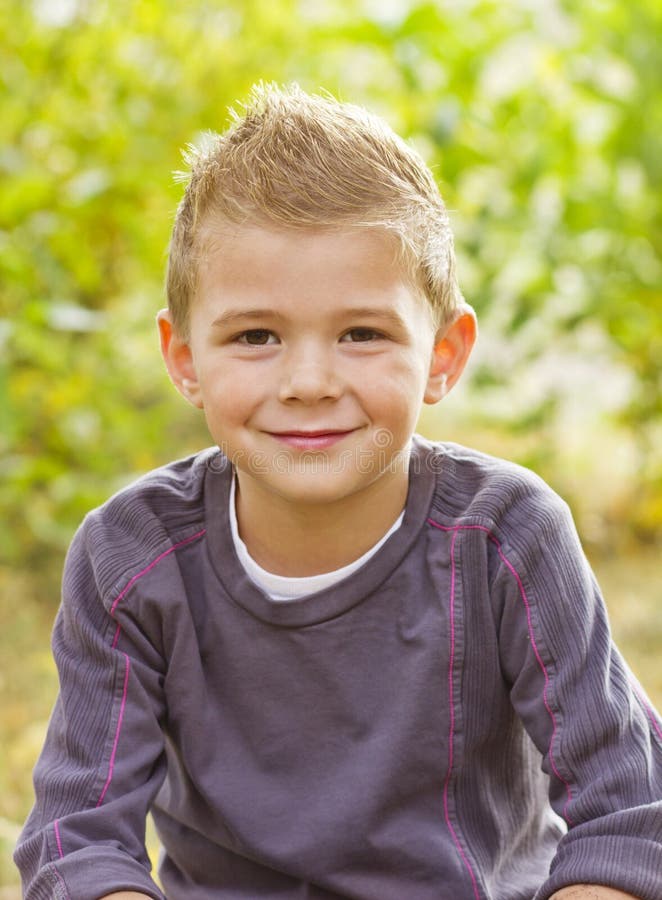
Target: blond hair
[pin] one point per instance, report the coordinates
(295, 160)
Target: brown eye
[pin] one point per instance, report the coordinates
(256, 336)
(361, 335)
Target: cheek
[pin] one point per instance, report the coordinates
(406, 381)
(399, 398)
(230, 399)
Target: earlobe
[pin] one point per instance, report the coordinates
(453, 346)
(178, 359)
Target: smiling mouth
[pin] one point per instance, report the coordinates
(310, 440)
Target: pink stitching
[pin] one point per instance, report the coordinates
(545, 675)
(534, 646)
(56, 829)
(62, 881)
(120, 718)
(151, 566)
(118, 631)
(452, 725)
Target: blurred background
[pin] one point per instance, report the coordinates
(542, 120)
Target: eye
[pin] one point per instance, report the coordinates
(256, 337)
(361, 335)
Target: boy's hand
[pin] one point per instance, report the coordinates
(591, 892)
(126, 895)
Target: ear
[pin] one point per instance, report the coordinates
(178, 359)
(452, 348)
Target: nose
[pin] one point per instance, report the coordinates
(309, 376)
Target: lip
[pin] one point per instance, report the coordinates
(310, 440)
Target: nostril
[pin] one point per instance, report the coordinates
(309, 384)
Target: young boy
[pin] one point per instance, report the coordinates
(333, 659)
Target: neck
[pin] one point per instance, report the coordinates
(297, 540)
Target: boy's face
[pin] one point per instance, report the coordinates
(311, 355)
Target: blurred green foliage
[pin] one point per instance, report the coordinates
(541, 121)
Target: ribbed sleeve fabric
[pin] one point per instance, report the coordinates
(580, 704)
(100, 798)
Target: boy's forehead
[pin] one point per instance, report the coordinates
(345, 252)
(297, 271)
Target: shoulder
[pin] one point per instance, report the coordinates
(474, 488)
(147, 518)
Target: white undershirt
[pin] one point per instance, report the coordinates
(283, 587)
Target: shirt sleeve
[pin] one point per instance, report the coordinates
(103, 760)
(599, 735)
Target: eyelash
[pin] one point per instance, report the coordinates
(243, 337)
(368, 336)
(373, 335)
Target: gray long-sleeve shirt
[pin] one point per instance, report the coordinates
(403, 735)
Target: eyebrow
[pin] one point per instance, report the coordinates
(357, 312)
(232, 315)
(373, 312)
